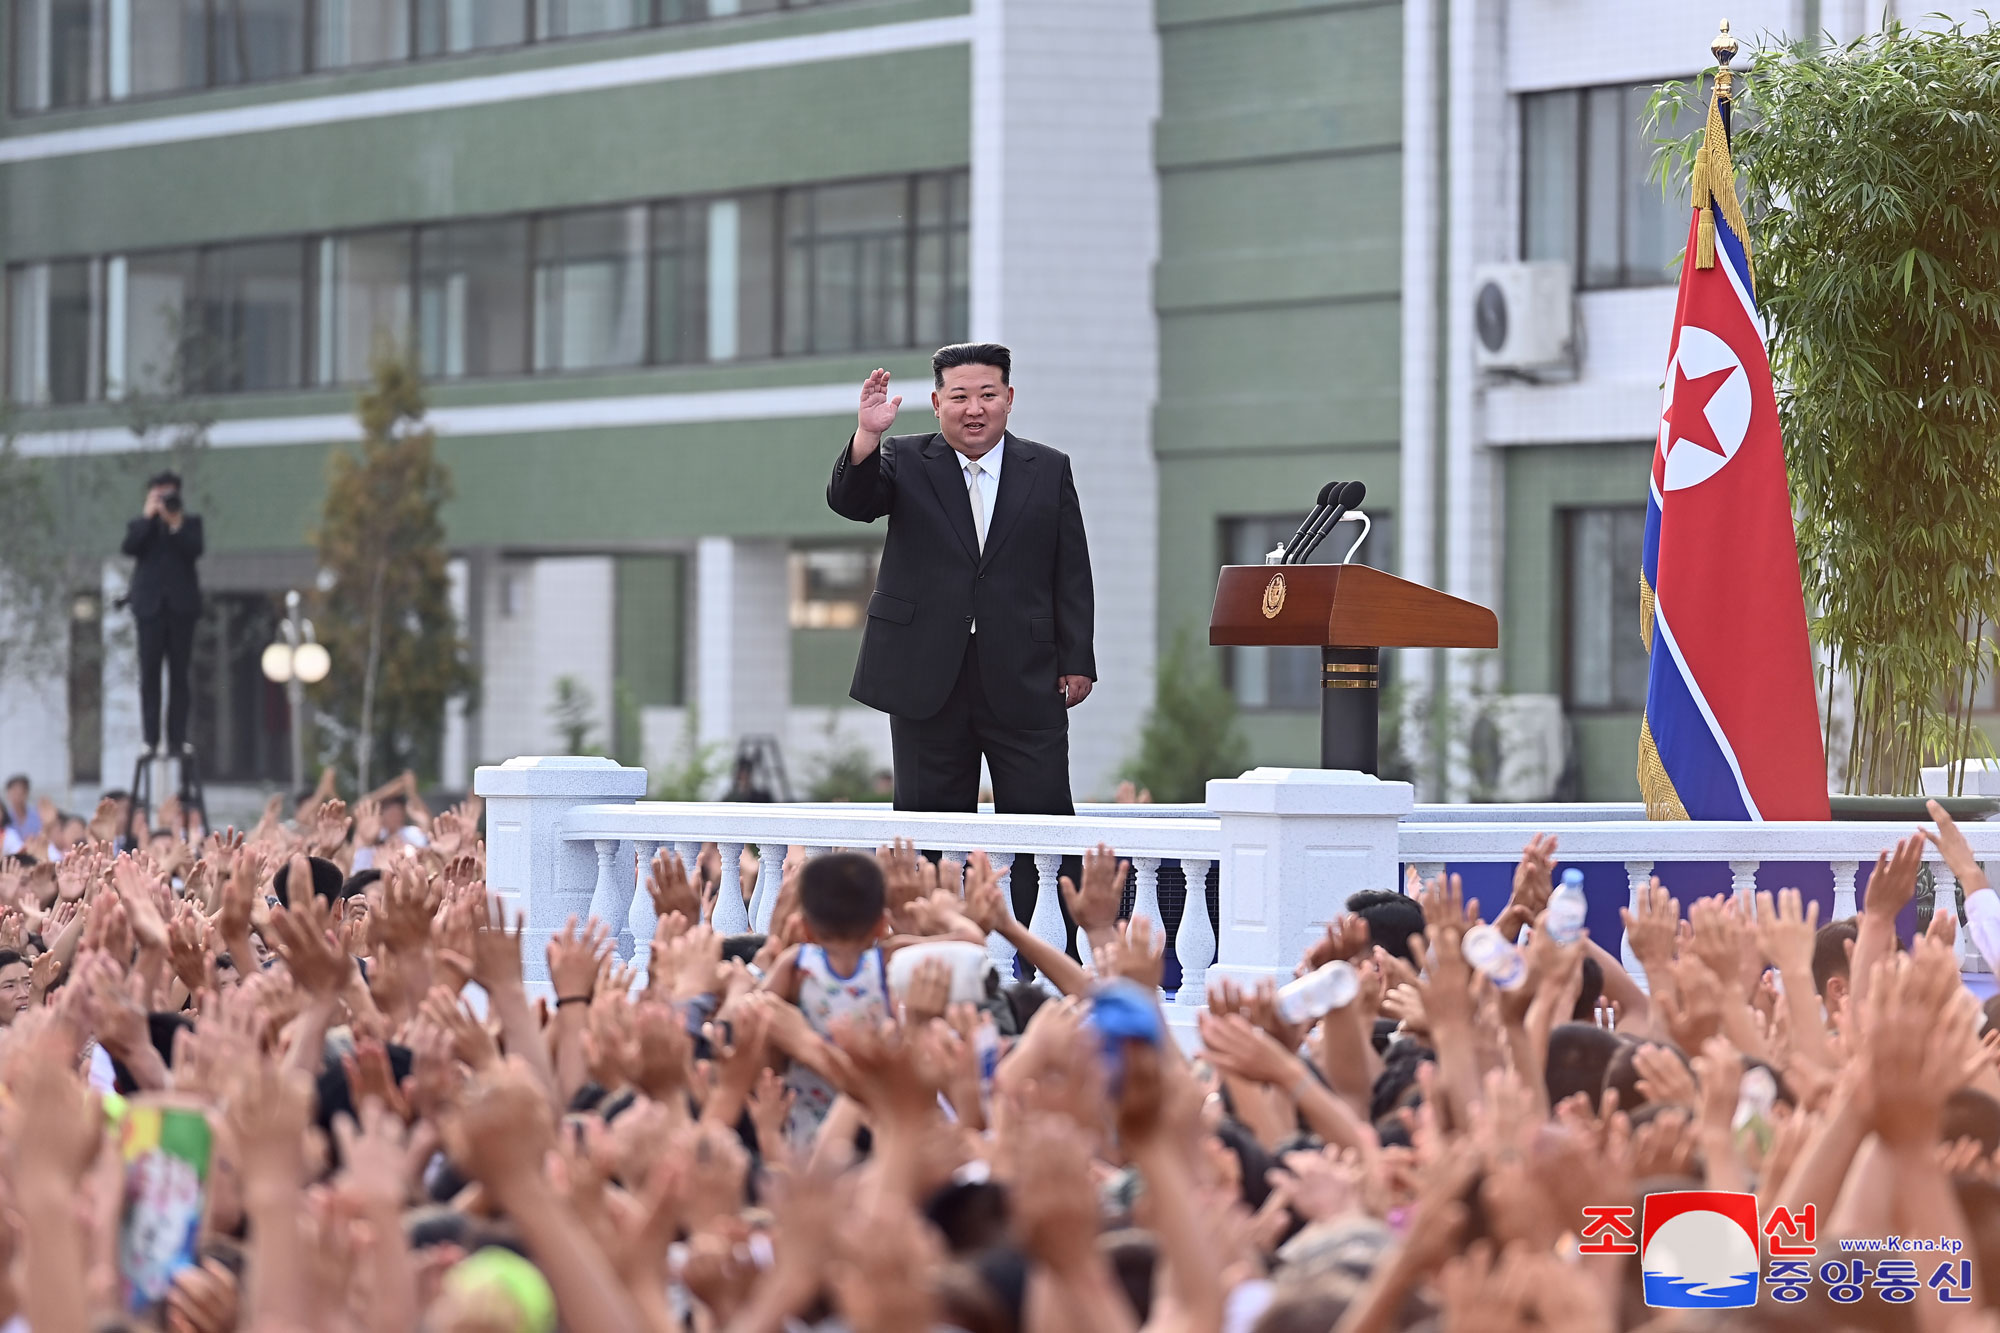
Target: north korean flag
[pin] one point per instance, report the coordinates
(1732, 719)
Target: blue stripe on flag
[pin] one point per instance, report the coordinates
(1729, 245)
(1688, 749)
(1649, 557)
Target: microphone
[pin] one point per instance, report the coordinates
(1325, 498)
(1350, 498)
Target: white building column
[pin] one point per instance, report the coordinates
(743, 638)
(1477, 194)
(454, 760)
(1065, 235)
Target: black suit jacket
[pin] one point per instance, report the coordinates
(163, 577)
(1030, 588)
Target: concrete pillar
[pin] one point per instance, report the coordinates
(528, 863)
(1295, 843)
(743, 638)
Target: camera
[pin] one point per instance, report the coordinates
(171, 502)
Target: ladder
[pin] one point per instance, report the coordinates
(187, 766)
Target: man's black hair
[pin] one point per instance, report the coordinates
(1585, 1010)
(358, 882)
(167, 478)
(742, 948)
(1392, 918)
(1579, 1056)
(9, 957)
(394, 798)
(971, 354)
(21, 778)
(971, 1215)
(842, 896)
(326, 880)
(1622, 1074)
(1968, 1114)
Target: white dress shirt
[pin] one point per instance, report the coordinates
(985, 486)
(988, 482)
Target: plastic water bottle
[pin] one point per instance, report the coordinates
(1494, 957)
(1318, 993)
(1567, 906)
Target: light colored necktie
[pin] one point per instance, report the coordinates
(973, 490)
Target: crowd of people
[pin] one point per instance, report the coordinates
(851, 1124)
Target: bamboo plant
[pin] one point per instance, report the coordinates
(1871, 174)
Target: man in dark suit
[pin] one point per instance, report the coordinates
(979, 630)
(165, 596)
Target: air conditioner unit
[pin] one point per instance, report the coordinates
(1521, 747)
(1523, 315)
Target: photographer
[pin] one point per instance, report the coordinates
(165, 597)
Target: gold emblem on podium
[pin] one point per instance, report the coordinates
(1274, 596)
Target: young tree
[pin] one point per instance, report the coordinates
(386, 618)
(1193, 733)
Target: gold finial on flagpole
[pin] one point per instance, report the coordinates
(1723, 48)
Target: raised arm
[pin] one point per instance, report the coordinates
(863, 482)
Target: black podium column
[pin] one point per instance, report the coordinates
(1348, 700)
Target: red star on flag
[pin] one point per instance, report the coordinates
(1688, 419)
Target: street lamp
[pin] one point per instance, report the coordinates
(296, 660)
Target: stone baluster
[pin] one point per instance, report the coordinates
(1637, 875)
(611, 899)
(690, 855)
(770, 878)
(1146, 893)
(1743, 886)
(1194, 942)
(1047, 922)
(997, 948)
(1843, 888)
(1944, 898)
(636, 939)
(731, 916)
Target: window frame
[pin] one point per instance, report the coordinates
(312, 243)
(1582, 186)
(654, 20)
(1566, 517)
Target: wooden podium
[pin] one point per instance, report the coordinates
(1351, 613)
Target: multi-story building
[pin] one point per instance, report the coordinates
(645, 251)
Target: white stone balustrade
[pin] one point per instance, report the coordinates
(570, 836)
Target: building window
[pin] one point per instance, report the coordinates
(1585, 196)
(1604, 662)
(254, 316)
(255, 40)
(1288, 677)
(576, 18)
(867, 266)
(590, 289)
(360, 32)
(445, 27)
(472, 286)
(68, 53)
(54, 335)
(831, 585)
(363, 301)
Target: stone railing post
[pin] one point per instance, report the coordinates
(1295, 843)
(528, 863)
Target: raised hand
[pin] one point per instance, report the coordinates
(1096, 905)
(330, 828)
(1956, 852)
(668, 886)
(303, 936)
(1786, 930)
(136, 886)
(1534, 881)
(502, 1127)
(1893, 882)
(877, 414)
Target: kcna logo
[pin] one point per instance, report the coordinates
(1698, 1250)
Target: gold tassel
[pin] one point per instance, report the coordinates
(1646, 614)
(1662, 801)
(1704, 238)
